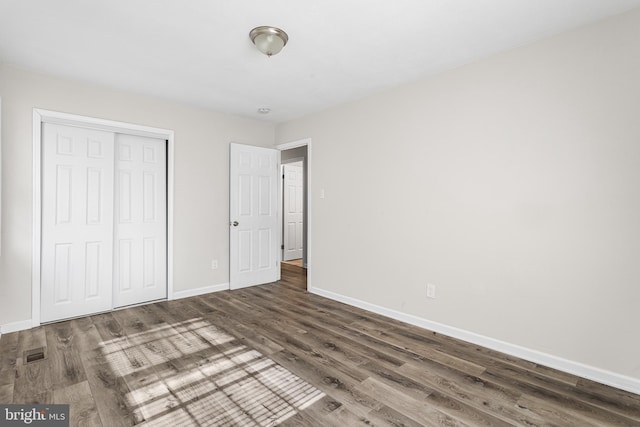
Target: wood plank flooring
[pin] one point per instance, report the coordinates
(277, 355)
(297, 262)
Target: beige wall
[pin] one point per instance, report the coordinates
(201, 186)
(512, 184)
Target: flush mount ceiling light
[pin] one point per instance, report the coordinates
(269, 40)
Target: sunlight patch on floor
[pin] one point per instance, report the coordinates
(191, 373)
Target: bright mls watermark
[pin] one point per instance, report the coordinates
(34, 415)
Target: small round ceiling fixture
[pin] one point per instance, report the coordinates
(268, 40)
(264, 110)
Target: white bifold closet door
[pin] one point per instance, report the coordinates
(103, 221)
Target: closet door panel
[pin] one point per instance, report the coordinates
(77, 222)
(140, 270)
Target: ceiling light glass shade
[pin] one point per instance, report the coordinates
(269, 40)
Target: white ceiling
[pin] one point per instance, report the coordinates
(199, 52)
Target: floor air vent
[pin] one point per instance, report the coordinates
(34, 355)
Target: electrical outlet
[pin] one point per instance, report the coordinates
(214, 264)
(431, 291)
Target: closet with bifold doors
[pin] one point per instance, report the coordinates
(104, 221)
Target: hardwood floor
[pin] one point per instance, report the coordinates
(275, 354)
(297, 262)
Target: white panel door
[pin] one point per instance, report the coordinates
(253, 216)
(293, 211)
(140, 247)
(77, 222)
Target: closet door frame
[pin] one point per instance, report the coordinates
(41, 116)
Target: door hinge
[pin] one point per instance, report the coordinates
(282, 247)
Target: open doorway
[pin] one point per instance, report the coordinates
(294, 205)
(293, 212)
(294, 159)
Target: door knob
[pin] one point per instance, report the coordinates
(234, 223)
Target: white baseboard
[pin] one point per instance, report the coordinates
(200, 291)
(16, 326)
(28, 324)
(576, 368)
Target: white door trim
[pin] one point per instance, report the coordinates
(40, 116)
(288, 146)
